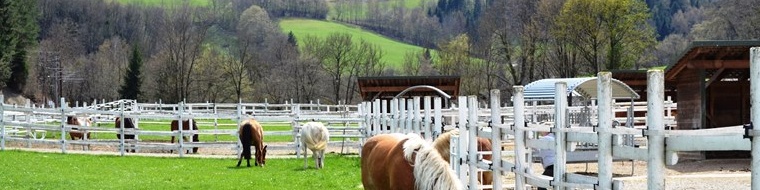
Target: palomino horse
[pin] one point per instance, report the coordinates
(443, 142)
(75, 133)
(128, 124)
(251, 133)
(398, 161)
(185, 126)
(314, 135)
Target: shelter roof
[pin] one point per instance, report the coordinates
(387, 87)
(544, 89)
(712, 55)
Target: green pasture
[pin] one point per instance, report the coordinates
(394, 51)
(31, 170)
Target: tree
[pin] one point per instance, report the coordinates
(18, 32)
(131, 87)
(609, 34)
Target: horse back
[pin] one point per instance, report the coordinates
(383, 164)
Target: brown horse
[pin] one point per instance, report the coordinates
(443, 142)
(398, 161)
(186, 126)
(128, 124)
(251, 133)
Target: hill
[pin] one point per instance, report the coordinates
(394, 51)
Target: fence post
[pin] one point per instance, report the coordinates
(239, 113)
(417, 120)
(216, 123)
(604, 107)
(560, 110)
(520, 151)
(402, 115)
(755, 111)
(383, 117)
(375, 117)
(656, 144)
(409, 116)
(438, 117)
(463, 137)
(181, 108)
(63, 125)
(426, 120)
(472, 128)
(496, 138)
(394, 115)
(296, 110)
(2, 122)
(121, 129)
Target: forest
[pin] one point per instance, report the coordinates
(236, 50)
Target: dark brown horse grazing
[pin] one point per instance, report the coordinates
(251, 133)
(186, 126)
(128, 124)
(398, 161)
(443, 142)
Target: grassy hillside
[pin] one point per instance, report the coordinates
(394, 51)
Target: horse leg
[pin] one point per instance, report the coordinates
(319, 159)
(240, 159)
(305, 156)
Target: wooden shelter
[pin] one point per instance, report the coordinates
(712, 82)
(388, 87)
(637, 80)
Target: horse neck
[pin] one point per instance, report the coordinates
(433, 172)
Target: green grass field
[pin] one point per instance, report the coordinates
(394, 51)
(31, 170)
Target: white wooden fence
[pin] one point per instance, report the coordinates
(29, 124)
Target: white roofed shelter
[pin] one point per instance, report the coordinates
(543, 90)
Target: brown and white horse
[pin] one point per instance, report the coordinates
(186, 126)
(443, 142)
(314, 136)
(398, 161)
(251, 133)
(75, 133)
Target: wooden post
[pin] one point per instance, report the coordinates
(438, 117)
(376, 117)
(656, 144)
(604, 106)
(426, 119)
(402, 115)
(2, 122)
(383, 117)
(409, 116)
(472, 127)
(560, 109)
(63, 125)
(754, 87)
(216, 124)
(181, 134)
(394, 116)
(520, 151)
(121, 128)
(462, 127)
(416, 120)
(496, 138)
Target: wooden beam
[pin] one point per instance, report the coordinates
(717, 64)
(716, 76)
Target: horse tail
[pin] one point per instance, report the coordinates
(431, 171)
(246, 132)
(315, 135)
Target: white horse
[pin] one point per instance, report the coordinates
(315, 136)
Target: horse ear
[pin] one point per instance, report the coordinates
(265, 147)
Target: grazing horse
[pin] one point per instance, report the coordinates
(186, 126)
(443, 142)
(251, 133)
(128, 124)
(314, 135)
(75, 133)
(398, 161)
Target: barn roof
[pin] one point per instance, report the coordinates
(387, 87)
(712, 55)
(543, 90)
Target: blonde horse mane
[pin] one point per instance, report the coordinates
(315, 135)
(443, 143)
(431, 171)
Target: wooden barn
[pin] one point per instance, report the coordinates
(387, 87)
(637, 80)
(712, 82)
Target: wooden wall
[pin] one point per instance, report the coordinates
(728, 104)
(690, 99)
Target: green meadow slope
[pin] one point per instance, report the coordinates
(394, 51)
